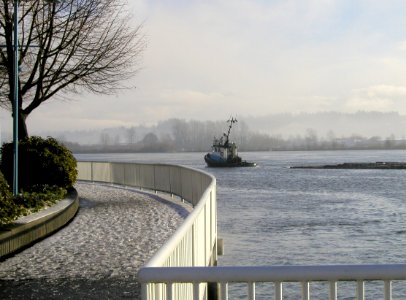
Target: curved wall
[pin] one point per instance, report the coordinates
(29, 229)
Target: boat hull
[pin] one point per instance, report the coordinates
(215, 163)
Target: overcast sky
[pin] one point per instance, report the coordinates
(207, 60)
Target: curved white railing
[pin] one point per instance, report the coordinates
(195, 242)
(181, 268)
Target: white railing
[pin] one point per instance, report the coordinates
(179, 270)
(277, 275)
(195, 241)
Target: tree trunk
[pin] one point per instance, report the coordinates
(22, 126)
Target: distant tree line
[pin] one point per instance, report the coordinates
(177, 135)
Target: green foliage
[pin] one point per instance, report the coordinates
(9, 211)
(38, 198)
(46, 170)
(27, 202)
(42, 162)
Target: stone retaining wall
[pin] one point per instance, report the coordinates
(29, 229)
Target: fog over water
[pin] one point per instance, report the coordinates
(327, 126)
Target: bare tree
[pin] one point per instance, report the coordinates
(105, 139)
(131, 134)
(66, 46)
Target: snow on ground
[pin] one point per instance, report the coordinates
(98, 255)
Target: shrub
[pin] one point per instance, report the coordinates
(9, 211)
(42, 162)
(38, 198)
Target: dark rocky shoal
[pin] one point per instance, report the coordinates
(373, 165)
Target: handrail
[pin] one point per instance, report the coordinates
(195, 242)
(292, 273)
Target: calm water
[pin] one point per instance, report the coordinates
(275, 215)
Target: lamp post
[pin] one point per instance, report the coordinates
(15, 95)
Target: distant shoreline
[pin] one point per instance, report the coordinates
(96, 150)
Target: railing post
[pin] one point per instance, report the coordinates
(124, 177)
(224, 290)
(144, 291)
(305, 290)
(196, 291)
(169, 290)
(332, 290)
(251, 290)
(154, 170)
(206, 254)
(278, 291)
(387, 290)
(360, 290)
(194, 244)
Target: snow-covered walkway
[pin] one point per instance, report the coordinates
(97, 255)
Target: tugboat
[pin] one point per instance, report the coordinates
(224, 153)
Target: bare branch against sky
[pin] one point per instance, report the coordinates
(66, 47)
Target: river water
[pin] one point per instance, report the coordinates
(274, 215)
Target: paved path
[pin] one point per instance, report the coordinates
(98, 254)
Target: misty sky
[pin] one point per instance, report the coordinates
(207, 60)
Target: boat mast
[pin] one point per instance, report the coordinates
(231, 121)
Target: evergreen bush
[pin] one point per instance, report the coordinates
(38, 198)
(9, 211)
(42, 162)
